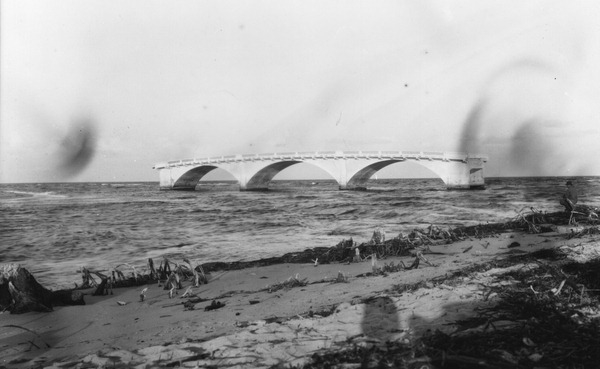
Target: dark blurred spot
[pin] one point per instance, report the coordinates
(470, 139)
(78, 147)
(476, 125)
(533, 149)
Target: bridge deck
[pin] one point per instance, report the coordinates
(302, 156)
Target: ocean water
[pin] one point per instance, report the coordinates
(53, 229)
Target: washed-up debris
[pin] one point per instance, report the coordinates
(21, 293)
(214, 305)
(291, 282)
(556, 307)
(169, 275)
(584, 232)
(405, 244)
(393, 268)
(188, 305)
(188, 293)
(143, 294)
(341, 278)
(546, 315)
(198, 272)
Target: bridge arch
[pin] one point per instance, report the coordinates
(264, 176)
(189, 179)
(261, 174)
(360, 178)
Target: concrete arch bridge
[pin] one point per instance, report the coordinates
(351, 169)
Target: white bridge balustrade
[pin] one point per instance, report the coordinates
(351, 169)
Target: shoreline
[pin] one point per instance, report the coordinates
(277, 314)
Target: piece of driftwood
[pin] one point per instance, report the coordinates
(21, 293)
(115, 279)
(153, 273)
(214, 305)
(291, 282)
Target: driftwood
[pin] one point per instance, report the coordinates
(21, 293)
(116, 278)
(168, 273)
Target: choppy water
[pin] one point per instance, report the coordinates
(54, 228)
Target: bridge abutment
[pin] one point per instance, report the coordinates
(174, 179)
(459, 175)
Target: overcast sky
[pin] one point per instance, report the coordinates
(102, 90)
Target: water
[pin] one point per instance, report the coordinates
(53, 229)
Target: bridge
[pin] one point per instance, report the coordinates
(351, 169)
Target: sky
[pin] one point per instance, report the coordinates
(103, 90)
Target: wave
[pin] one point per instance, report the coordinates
(349, 211)
(306, 197)
(344, 231)
(381, 189)
(388, 215)
(30, 194)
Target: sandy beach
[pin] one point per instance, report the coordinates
(259, 325)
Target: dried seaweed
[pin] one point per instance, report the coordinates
(547, 317)
(291, 282)
(348, 250)
(556, 324)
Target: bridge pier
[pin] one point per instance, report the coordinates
(180, 178)
(459, 175)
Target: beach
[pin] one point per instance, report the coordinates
(265, 322)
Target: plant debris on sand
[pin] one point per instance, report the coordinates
(547, 316)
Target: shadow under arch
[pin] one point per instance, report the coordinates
(360, 178)
(420, 167)
(261, 180)
(190, 179)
